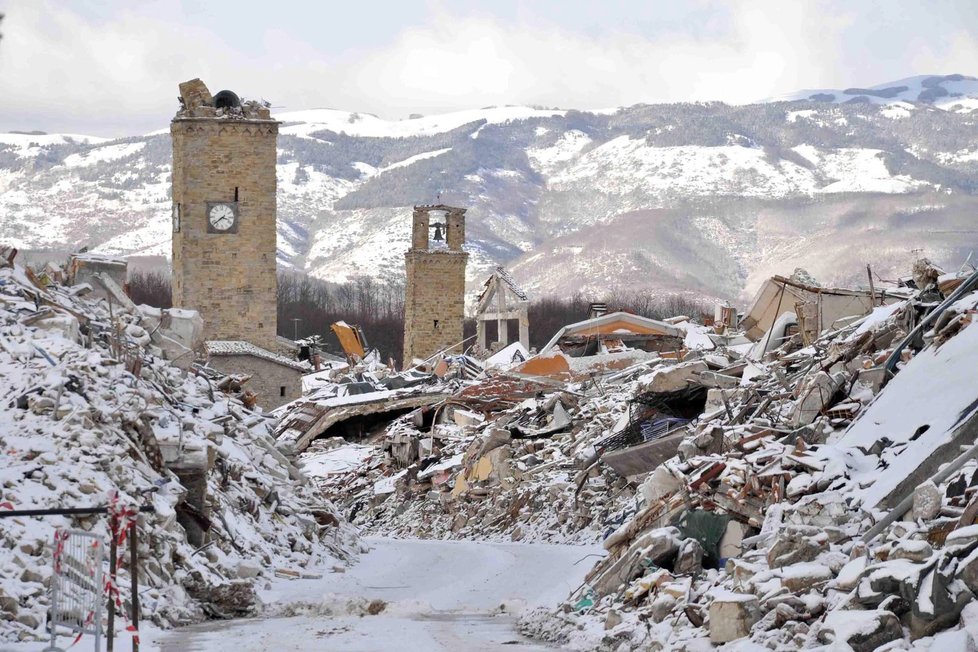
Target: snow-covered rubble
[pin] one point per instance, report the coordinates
(520, 470)
(820, 491)
(89, 409)
(814, 507)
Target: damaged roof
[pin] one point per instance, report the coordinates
(507, 280)
(614, 322)
(221, 348)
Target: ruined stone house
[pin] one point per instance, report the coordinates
(276, 379)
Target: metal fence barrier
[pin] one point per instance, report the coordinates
(77, 586)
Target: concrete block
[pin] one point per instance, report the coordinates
(681, 376)
(796, 543)
(926, 501)
(62, 323)
(466, 418)
(815, 395)
(732, 615)
(84, 268)
(863, 631)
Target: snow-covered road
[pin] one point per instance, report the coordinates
(439, 595)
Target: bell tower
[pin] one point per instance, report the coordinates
(224, 235)
(434, 306)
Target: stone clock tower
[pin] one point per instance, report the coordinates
(224, 238)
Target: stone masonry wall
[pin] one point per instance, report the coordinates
(435, 302)
(434, 305)
(267, 378)
(230, 278)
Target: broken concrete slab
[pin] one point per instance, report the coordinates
(814, 396)
(732, 615)
(677, 377)
(863, 631)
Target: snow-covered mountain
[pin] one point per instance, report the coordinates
(951, 92)
(707, 198)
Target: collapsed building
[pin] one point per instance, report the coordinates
(817, 492)
(94, 408)
(500, 301)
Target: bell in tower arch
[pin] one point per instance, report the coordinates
(438, 237)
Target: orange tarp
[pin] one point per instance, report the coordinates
(551, 366)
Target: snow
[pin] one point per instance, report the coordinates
(505, 357)
(386, 486)
(879, 316)
(452, 575)
(732, 596)
(336, 460)
(318, 379)
(897, 110)
(365, 124)
(240, 347)
(959, 93)
(567, 147)
(934, 390)
(697, 336)
(445, 465)
(103, 153)
(369, 170)
(624, 165)
(856, 170)
(849, 623)
(439, 595)
(792, 116)
(30, 144)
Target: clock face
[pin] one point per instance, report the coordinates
(221, 217)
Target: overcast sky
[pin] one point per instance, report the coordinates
(111, 68)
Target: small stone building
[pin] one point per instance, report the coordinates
(276, 379)
(434, 303)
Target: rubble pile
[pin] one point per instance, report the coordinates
(91, 408)
(500, 459)
(826, 496)
(504, 455)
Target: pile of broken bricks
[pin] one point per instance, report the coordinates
(806, 507)
(92, 407)
(504, 461)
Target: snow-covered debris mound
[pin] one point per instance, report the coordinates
(88, 409)
(508, 470)
(504, 457)
(808, 507)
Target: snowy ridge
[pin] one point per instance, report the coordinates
(777, 177)
(366, 124)
(950, 92)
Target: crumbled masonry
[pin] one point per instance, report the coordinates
(90, 406)
(769, 494)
